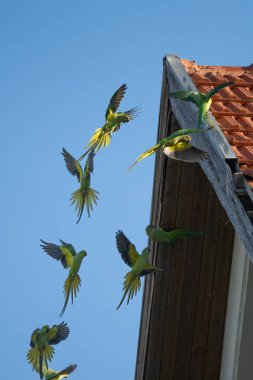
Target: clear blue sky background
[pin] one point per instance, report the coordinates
(60, 63)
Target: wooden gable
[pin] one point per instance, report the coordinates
(184, 307)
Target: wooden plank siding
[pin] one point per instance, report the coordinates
(184, 306)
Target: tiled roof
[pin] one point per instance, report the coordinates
(232, 107)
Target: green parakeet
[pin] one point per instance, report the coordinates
(85, 195)
(138, 263)
(201, 100)
(177, 146)
(69, 259)
(113, 120)
(50, 374)
(41, 344)
(158, 235)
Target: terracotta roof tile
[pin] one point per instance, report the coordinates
(232, 106)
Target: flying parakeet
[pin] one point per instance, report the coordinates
(69, 259)
(177, 146)
(85, 195)
(102, 136)
(41, 350)
(201, 100)
(50, 374)
(158, 235)
(138, 263)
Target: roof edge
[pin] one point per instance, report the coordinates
(216, 166)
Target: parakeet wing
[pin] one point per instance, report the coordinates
(72, 165)
(66, 371)
(216, 89)
(132, 113)
(116, 99)
(131, 285)
(192, 154)
(69, 246)
(126, 249)
(90, 161)
(191, 96)
(33, 337)
(57, 333)
(58, 252)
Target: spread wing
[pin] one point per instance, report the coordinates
(72, 165)
(192, 154)
(132, 113)
(115, 100)
(69, 246)
(126, 249)
(33, 337)
(190, 96)
(90, 161)
(57, 333)
(65, 372)
(57, 252)
(217, 89)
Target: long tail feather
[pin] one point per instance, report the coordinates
(71, 288)
(37, 357)
(82, 197)
(180, 233)
(131, 286)
(99, 139)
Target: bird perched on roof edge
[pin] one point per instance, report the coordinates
(200, 99)
(159, 235)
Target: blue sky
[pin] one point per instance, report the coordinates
(61, 62)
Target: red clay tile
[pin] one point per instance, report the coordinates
(247, 170)
(227, 123)
(245, 123)
(232, 106)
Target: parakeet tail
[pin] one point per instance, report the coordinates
(81, 197)
(180, 233)
(71, 288)
(131, 285)
(100, 139)
(148, 152)
(37, 357)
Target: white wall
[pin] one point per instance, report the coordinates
(237, 355)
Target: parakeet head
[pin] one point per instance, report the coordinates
(149, 228)
(82, 254)
(185, 138)
(45, 328)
